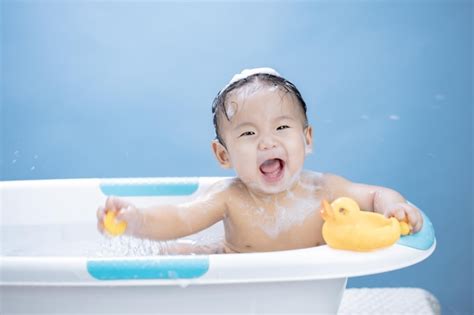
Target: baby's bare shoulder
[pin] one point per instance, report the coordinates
(328, 178)
(217, 193)
(226, 186)
(221, 185)
(327, 183)
(312, 178)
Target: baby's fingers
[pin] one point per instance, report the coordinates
(398, 213)
(100, 213)
(112, 203)
(100, 219)
(126, 214)
(418, 221)
(116, 204)
(133, 217)
(100, 226)
(413, 216)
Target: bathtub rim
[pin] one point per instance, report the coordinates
(364, 263)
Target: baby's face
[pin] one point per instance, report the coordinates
(265, 138)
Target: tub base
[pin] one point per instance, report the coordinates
(318, 296)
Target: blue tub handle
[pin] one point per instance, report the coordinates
(140, 269)
(422, 240)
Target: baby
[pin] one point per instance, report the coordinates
(262, 132)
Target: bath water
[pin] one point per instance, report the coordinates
(83, 239)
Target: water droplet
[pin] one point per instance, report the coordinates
(36, 156)
(13, 161)
(33, 168)
(394, 117)
(17, 153)
(365, 117)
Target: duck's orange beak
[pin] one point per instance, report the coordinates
(326, 210)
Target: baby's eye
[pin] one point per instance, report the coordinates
(247, 133)
(283, 127)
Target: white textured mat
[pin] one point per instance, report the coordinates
(390, 301)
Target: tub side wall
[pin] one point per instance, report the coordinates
(76, 200)
(320, 297)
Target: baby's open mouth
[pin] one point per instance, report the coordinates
(272, 169)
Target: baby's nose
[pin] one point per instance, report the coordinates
(267, 143)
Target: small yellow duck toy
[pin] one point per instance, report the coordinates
(112, 225)
(347, 227)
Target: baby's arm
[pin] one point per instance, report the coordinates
(377, 199)
(166, 222)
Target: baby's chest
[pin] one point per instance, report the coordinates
(277, 228)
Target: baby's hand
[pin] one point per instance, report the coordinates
(124, 211)
(405, 212)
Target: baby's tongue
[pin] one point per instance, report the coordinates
(270, 166)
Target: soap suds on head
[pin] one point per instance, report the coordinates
(239, 95)
(273, 88)
(231, 109)
(248, 72)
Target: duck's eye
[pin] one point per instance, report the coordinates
(342, 210)
(247, 133)
(283, 127)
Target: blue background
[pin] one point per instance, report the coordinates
(124, 89)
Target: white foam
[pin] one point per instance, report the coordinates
(248, 72)
(295, 212)
(287, 216)
(231, 109)
(273, 88)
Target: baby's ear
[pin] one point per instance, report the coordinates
(221, 154)
(308, 137)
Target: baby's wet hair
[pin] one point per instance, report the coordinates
(219, 103)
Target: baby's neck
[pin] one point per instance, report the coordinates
(259, 196)
(306, 183)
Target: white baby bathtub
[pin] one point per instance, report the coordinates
(51, 261)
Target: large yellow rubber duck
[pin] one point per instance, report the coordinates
(113, 226)
(346, 227)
